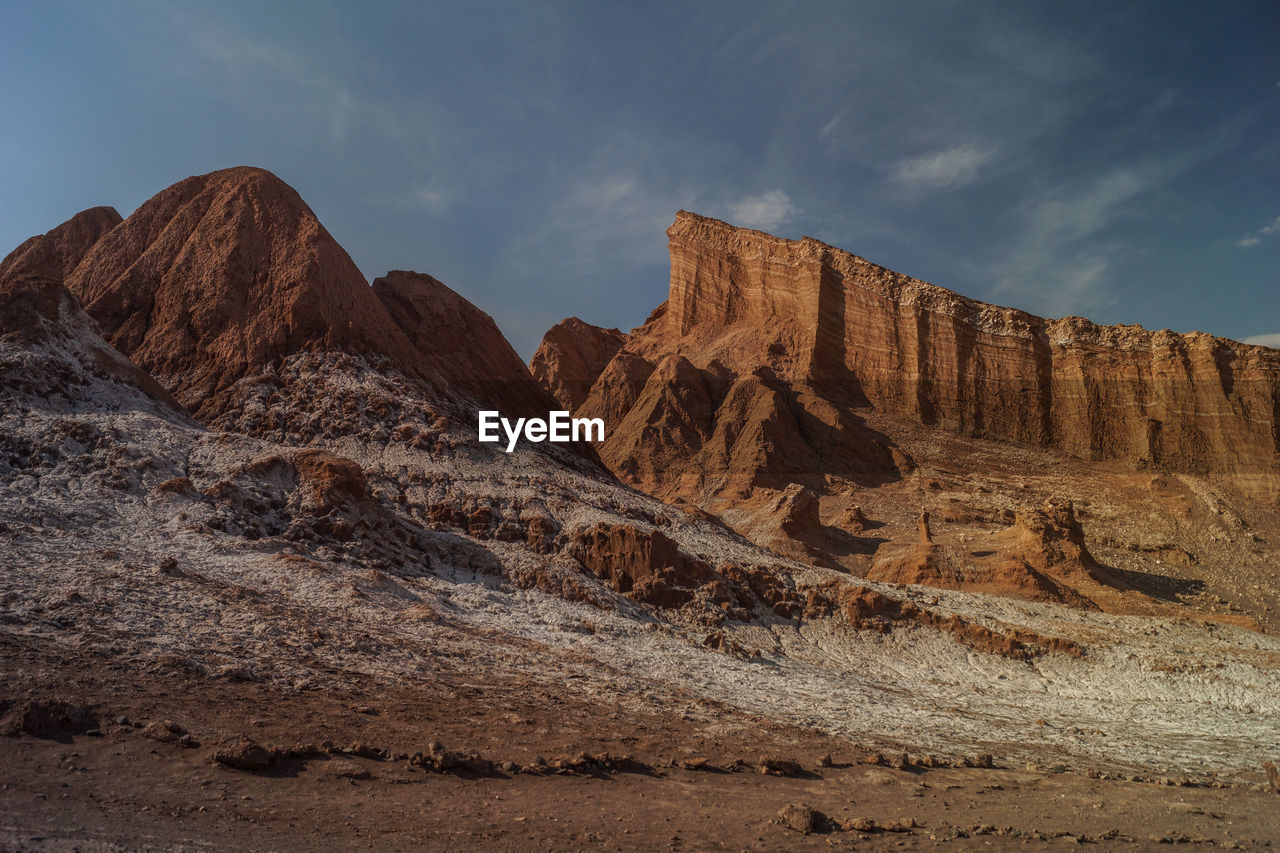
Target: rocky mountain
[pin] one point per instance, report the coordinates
(795, 389)
(572, 354)
(316, 546)
(222, 285)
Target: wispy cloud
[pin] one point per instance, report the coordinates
(947, 169)
(1059, 266)
(768, 210)
(1271, 340)
(1270, 229)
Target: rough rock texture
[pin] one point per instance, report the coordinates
(32, 275)
(461, 344)
(56, 253)
(820, 315)
(37, 308)
(571, 357)
(222, 277)
(222, 274)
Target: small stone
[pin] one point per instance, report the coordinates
(801, 818)
(346, 769)
(242, 753)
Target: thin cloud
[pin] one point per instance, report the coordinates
(1057, 267)
(766, 211)
(1270, 229)
(948, 169)
(1271, 340)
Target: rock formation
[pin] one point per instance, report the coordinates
(32, 275)
(822, 316)
(460, 344)
(222, 276)
(570, 358)
(766, 367)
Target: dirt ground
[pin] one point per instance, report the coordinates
(131, 785)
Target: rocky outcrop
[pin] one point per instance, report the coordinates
(56, 253)
(222, 274)
(571, 357)
(1042, 556)
(460, 344)
(818, 315)
(32, 275)
(221, 277)
(36, 307)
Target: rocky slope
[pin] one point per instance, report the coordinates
(218, 281)
(572, 354)
(330, 523)
(779, 365)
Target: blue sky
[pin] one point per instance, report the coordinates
(1114, 160)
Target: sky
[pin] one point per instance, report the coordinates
(1112, 160)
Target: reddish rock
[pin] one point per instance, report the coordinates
(329, 481)
(461, 345)
(32, 275)
(646, 565)
(242, 753)
(571, 357)
(821, 315)
(222, 274)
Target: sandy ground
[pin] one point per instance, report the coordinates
(125, 790)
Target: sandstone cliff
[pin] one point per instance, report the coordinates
(572, 354)
(819, 315)
(785, 385)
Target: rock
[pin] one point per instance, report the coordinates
(1273, 776)
(219, 276)
(165, 731)
(802, 818)
(48, 718)
(242, 753)
(571, 357)
(345, 768)
(780, 767)
(922, 524)
(646, 565)
(1024, 379)
(460, 346)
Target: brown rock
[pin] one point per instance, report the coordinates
(1099, 392)
(571, 357)
(47, 718)
(780, 767)
(222, 274)
(802, 818)
(344, 768)
(647, 565)
(460, 345)
(242, 753)
(329, 481)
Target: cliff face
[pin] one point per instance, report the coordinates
(1183, 402)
